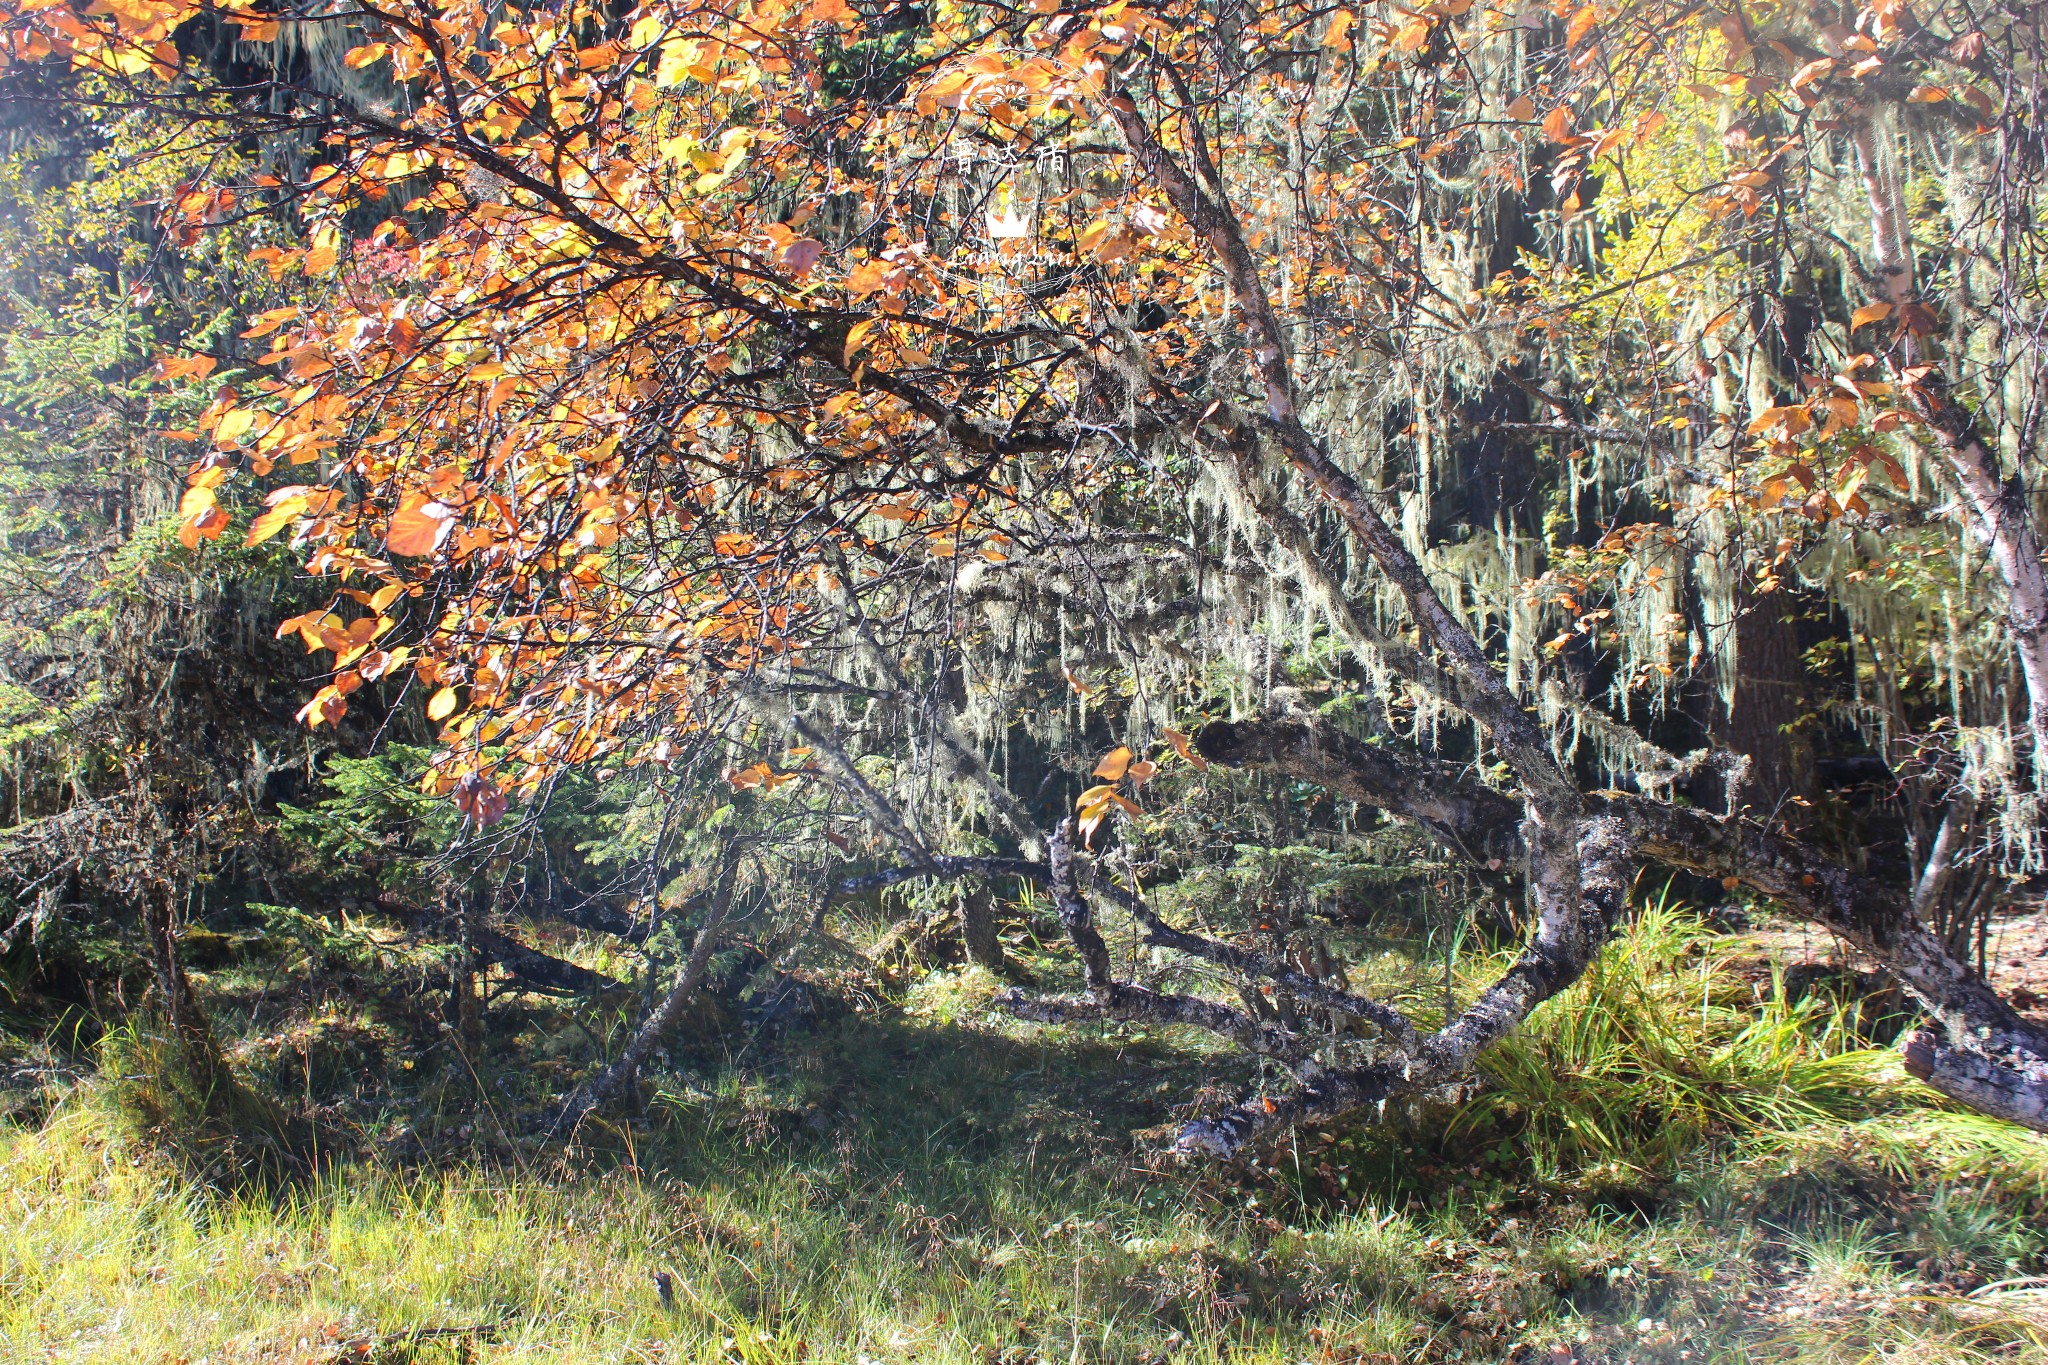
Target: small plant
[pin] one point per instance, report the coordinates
(1965, 1229)
(1841, 1258)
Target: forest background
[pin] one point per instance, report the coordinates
(1115, 682)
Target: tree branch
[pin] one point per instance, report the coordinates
(622, 1073)
(1979, 1029)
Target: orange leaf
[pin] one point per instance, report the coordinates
(1181, 746)
(1581, 24)
(185, 367)
(417, 526)
(206, 526)
(1869, 313)
(1114, 763)
(1812, 71)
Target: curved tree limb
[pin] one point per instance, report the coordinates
(1986, 1055)
(1554, 959)
(659, 1024)
(1484, 693)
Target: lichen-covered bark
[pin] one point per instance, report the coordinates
(1984, 1053)
(1556, 956)
(1996, 511)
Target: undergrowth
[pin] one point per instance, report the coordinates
(1671, 1163)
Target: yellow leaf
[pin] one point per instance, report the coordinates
(325, 253)
(441, 705)
(275, 520)
(857, 334)
(234, 426)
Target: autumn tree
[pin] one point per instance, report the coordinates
(1604, 408)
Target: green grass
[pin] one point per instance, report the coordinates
(936, 1184)
(1660, 1048)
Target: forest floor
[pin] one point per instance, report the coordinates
(1677, 1162)
(2015, 956)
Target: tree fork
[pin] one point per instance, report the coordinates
(1985, 1054)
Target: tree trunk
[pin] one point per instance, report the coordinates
(198, 1051)
(1982, 1052)
(1995, 511)
(978, 929)
(1764, 704)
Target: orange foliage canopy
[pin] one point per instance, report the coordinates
(666, 339)
(622, 337)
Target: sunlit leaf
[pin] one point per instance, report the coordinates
(1114, 763)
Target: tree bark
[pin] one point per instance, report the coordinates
(1763, 705)
(1983, 1053)
(978, 929)
(1197, 196)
